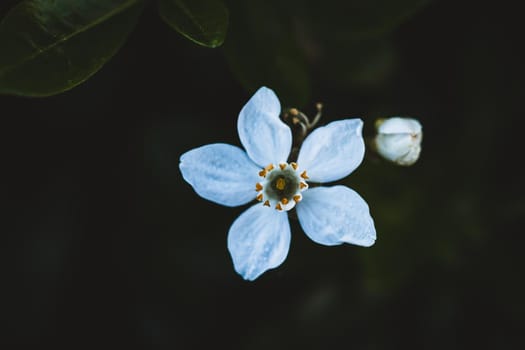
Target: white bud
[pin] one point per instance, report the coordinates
(399, 140)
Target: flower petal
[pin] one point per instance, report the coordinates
(220, 173)
(258, 241)
(264, 136)
(398, 125)
(333, 151)
(403, 149)
(335, 215)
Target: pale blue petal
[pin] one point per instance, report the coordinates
(335, 215)
(398, 125)
(264, 136)
(259, 240)
(220, 173)
(333, 151)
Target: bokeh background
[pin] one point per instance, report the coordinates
(105, 246)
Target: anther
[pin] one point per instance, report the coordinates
(293, 165)
(284, 201)
(293, 111)
(304, 176)
(262, 173)
(258, 187)
(267, 203)
(280, 184)
(282, 166)
(302, 185)
(278, 206)
(259, 197)
(269, 167)
(319, 107)
(296, 198)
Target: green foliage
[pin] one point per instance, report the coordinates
(262, 50)
(283, 44)
(51, 46)
(354, 19)
(204, 22)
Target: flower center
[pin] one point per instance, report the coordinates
(281, 186)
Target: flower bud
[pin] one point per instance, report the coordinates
(399, 140)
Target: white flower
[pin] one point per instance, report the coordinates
(399, 140)
(259, 238)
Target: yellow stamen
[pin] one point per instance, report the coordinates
(278, 206)
(269, 167)
(284, 201)
(258, 187)
(280, 184)
(259, 197)
(302, 185)
(267, 203)
(293, 111)
(262, 173)
(304, 176)
(296, 198)
(294, 165)
(282, 166)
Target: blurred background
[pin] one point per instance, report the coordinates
(105, 246)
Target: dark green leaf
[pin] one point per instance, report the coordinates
(353, 19)
(50, 46)
(363, 64)
(204, 22)
(261, 50)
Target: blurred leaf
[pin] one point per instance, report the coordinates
(354, 19)
(366, 64)
(204, 22)
(50, 46)
(261, 50)
(348, 41)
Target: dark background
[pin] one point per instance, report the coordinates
(105, 246)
